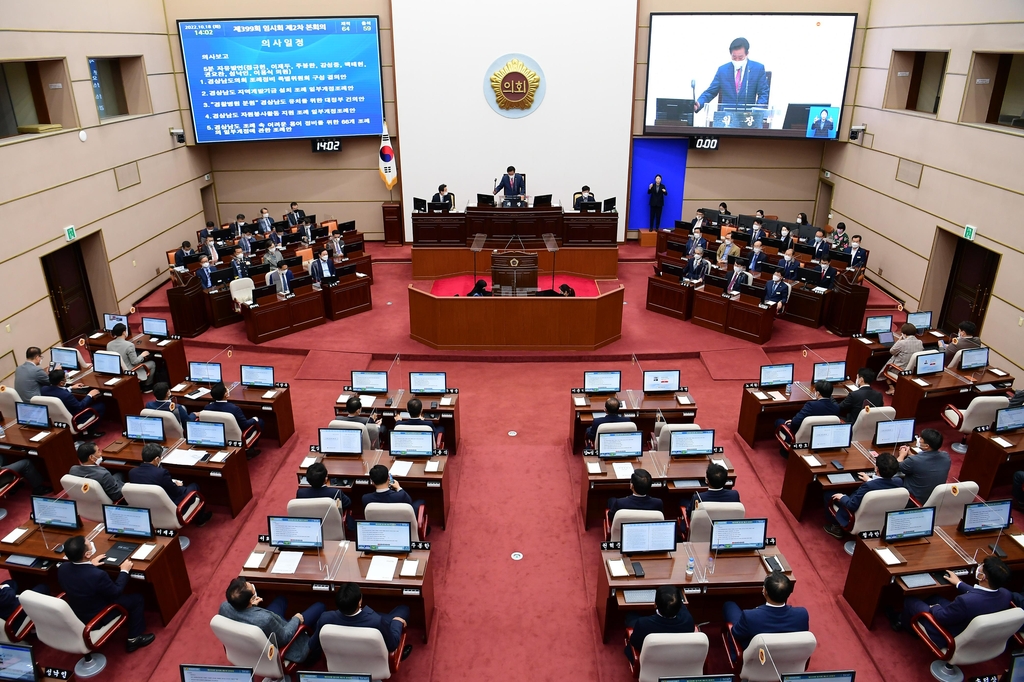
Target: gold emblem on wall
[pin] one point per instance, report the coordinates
(515, 85)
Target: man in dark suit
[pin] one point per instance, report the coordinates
(858, 256)
(282, 278)
(926, 469)
(210, 250)
(203, 273)
(739, 276)
(790, 265)
(670, 616)
(88, 456)
(238, 264)
(656, 192)
(820, 245)
(316, 477)
(776, 292)
(850, 408)
(219, 392)
(205, 232)
(757, 257)
(699, 221)
(354, 413)
(151, 473)
(585, 197)
(295, 214)
(716, 477)
(828, 273)
(820, 405)
(247, 242)
(352, 613)
(58, 389)
(740, 84)
(696, 267)
(89, 589)
(322, 266)
(512, 184)
(161, 401)
(787, 238)
(774, 616)
(639, 497)
(265, 223)
(306, 231)
(236, 227)
(695, 241)
(611, 416)
(965, 338)
(386, 490)
(758, 233)
(442, 196)
(838, 506)
(415, 409)
(180, 254)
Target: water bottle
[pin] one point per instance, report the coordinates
(689, 568)
(711, 565)
(789, 389)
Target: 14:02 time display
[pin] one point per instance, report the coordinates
(326, 144)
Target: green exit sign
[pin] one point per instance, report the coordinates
(69, 233)
(969, 232)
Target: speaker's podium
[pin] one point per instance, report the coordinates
(514, 273)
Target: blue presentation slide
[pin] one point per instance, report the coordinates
(273, 79)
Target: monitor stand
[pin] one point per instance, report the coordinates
(907, 543)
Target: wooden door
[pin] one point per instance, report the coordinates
(970, 286)
(69, 291)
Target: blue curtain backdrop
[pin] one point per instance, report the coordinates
(665, 156)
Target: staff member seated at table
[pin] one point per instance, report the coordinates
(757, 257)
(282, 278)
(739, 276)
(151, 473)
(220, 404)
(242, 605)
(130, 357)
(90, 589)
(585, 197)
(902, 350)
(670, 616)
(699, 221)
(205, 232)
(162, 401)
(352, 613)
(180, 254)
(696, 267)
(776, 292)
(965, 338)
(58, 389)
(306, 230)
(758, 233)
(788, 240)
(858, 256)
(839, 506)
(236, 227)
(322, 266)
(639, 497)
(354, 413)
(295, 214)
(854, 402)
(716, 477)
(88, 455)
(695, 242)
(820, 245)
(238, 263)
(611, 416)
(840, 240)
(30, 378)
(790, 265)
(927, 469)
(210, 250)
(828, 273)
(442, 196)
(316, 477)
(336, 245)
(726, 249)
(388, 491)
(204, 272)
(247, 242)
(415, 408)
(820, 405)
(774, 616)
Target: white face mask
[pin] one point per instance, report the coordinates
(817, 240)
(740, 64)
(206, 265)
(799, 221)
(324, 258)
(265, 215)
(788, 257)
(757, 249)
(777, 278)
(696, 257)
(728, 244)
(785, 232)
(855, 245)
(735, 269)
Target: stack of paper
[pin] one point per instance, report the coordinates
(865, 340)
(367, 400)
(579, 401)
(179, 387)
(254, 560)
(286, 562)
(220, 456)
(112, 382)
(997, 372)
(776, 395)
(39, 436)
(812, 461)
(143, 552)
(432, 467)
(343, 398)
(164, 343)
(622, 469)
(886, 555)
(594, 468)
(269, 394)
(617, 567)
(184, 457)
(307, 462)
(409, 568)
(14, 535)
(761, 396)
(401, 468)
(382, 568)
(1002, 442)
(447, 400)
(683, 399)
(920, 382)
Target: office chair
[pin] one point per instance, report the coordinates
(249, 439)
(892, 372)
(244, 644)
(355, 426)
(454, 205)
(614, 427)
(983, 639)
(89, 495)
(698, 528)
(949, 500)
(871, 513)
(419, 524)
(57, 626)
(981, 412)
(864, 426)
(321, 508)
(669, 655)
(785, 652)
(438, 439)
(241, 289)
(10, 633)
(172, 427)
(164, 512)
(663, 432)
(57, 412)
(363, 649)
(803, 434)
(613, 529)
(8, 398)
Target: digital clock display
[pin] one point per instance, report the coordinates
(326, 144)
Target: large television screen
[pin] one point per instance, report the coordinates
(771, 75)
(275, 79)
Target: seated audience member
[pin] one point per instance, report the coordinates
(264, 223)
(58, 389)
(414, 406)
(336, 245)
(295, 214)
(243, 606)
(29, 377)
(441, 196)
(774, 616)
(130, 358)
(787, 238)
(828, 273)
(220, 404)
(965, 338)
(89, 589)
(352, 613)
(273, 256)
(282, 278)
(776, 292)
(316, 477)
(696, 267)
(886, 468)
(790, 265)
(858, 256)
(247, 241)
(479, 289)
(209, 249)
(89, 456)
(739, 276)
(905, 345)
(716, 476)
(757, 257)
(757, 232)
(820, 405)
(726, 249)
(162, 401)
(354, 413)
(988, 595)
(151, 473)
(840, 240)
(639, 497)
(205, 272)
(696, 241)
(927, 469)
(854, 402)
(387, 490)
(670, 617)
(820, 245)
(205, 232)
(323, 266)
(182, 253)
(611, 416)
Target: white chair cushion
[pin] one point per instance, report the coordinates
(985, 637)
(673, 655)
(355, 649)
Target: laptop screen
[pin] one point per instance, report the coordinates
(67, 358)
(688, 443)
(885, 337)
(830, 371)
(341, 441)
(602, 382)
(370, 382)
(106, 363)
(738, 534)
(132, 521)
(411, 443)
(295, 532)
(209, 434)
(661, 381)
(215, 673)
(55, 513)
(204, 372)
(428, 382)
(17, 662)
(620, 445)
(154, 326)
(144, 428)
(383, 536)
(29, 414)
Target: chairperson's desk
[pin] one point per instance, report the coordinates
(757, 416)
(924, 397)
(275, 411)
(805, 482)
(170, 351)
(53, 456)
(988, 463)
(162, 578)
(737, 577)
(446, 414)
(458, 228)
(640, 408)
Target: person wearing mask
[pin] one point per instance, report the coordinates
(162, 401)
(276, 238)
(928, 468)
(611, 416)
(442, 196)
(820, 405)
(739, 84)
(726, 249)
(242, 605)
(130, 358)
(57, 388)
(205, 232)
(776, 292)
(236, 227)
(840, 240)
(89, 467)
(238, 264)
(273, 256)
(774, 616)
(512, 184)
(204, 272)
(30, 377)
(220, 403)
(656, 202)
(699, 221)
(322, 267)
(820, 245)
(336, 245)
(858, 256)
(723, 209)
(353, 613)
(696, 268)
(788, 239)
(716, 477)
(757, 257)
(739, 276)
(965, 338)
(639, 496)
(695, 241)
(903, 348)
(758, 233)
(828, 273)
(316, 477)
(210, 250)
(354, 413)
(855, 401)
(386, 490)
(265, 223)
(801, 219)
(182, 253)
(295, 214)
(282, 278)
(247, 241)
(479, 289)
(670, 616)
(839, 506)
(585, 197)
(759, 214)
(151, 473)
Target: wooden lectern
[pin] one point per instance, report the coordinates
(514, 273)
(188, 310)
(845, 316)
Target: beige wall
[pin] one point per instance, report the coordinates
(971, 173)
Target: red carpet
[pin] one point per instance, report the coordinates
(463, 284)
(744, 365)
(331, 365)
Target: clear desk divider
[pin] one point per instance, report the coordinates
(335, 554)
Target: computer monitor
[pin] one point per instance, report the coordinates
(205, 434)
(264, 291)
(608, 205)
(894, 432)
(878, 323)
(347, 226)
(1009, 419)
(675, 270)
(973, 358)
(648, 537)
(341, 441)
(692, 443)
(922, 321)
(155, 326)
(105, 362)
(295, 532)
(419, 205)
(144, 428)
(18, 662)
(428, 383)
(301, 281)
(980, 517)
(834, 676)
(776, 375)
(411, 443)
(225, 275)
(738, 534)
(110, 320)
(699, 678)
(55, 513)
(215, 673)
(907, 524)
(258, 376)
(1016, 673)
(588, 206)
(830, 436)
(620, 445)
(384, 536)
(661, 381)
(204, 372)
(67, 358)
(929, 363)
(438, 207)
(830, 371)
(602, 381)
(885, 337)
(370, 382)
(30, 414)
(133, 522)
(485, 200)
(315, 676)
(541, 200)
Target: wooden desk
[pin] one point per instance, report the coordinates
(667, 474)
(806, 307)
(353, 473)
(276, 412)
(172, 355)
(220, 307)
(444, 415)
(757, 417)
(125, 396)
(187, 304)
(639, 408)
(458, 228)
(989, 464)
(350, 296)
(344, 564)
(737, 577)
(162, 579)
(874, 355)
(846, 309)
(804, 486)
(436, 262)
(274, 316)
(52, 457)
(740, 315)
(669, 298)
(227, 480)
(949, 387)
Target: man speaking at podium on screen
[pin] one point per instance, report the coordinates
(513, 184)
(741, 84)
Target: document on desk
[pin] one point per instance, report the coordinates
(164, 342)
(269, 394)
(865, 340)
(579, 401)
(14, 535)
(921, 382)
(382, 568)
(199, 392)
(622, 469)
(776, 396)
(432, 467)
(812, 461)
(684, 399)
(220, 456)
(401, 468)
(594, 468)
(39, 436)
(447, 401)
(179, 387)
(1002, 442)
(112, 382)
(886, 555)
(185, 458)
(997, 372)
(254, 560)
(409, 568)
(918, 580)
(937, 334)
(307, 462)
(1019, 538)
(142, 553)
(720, 462)
(761, 396)
(617, 567)
(286, 562)
(96, 335)
(836, 479)
(343, 398)
(367, 400)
